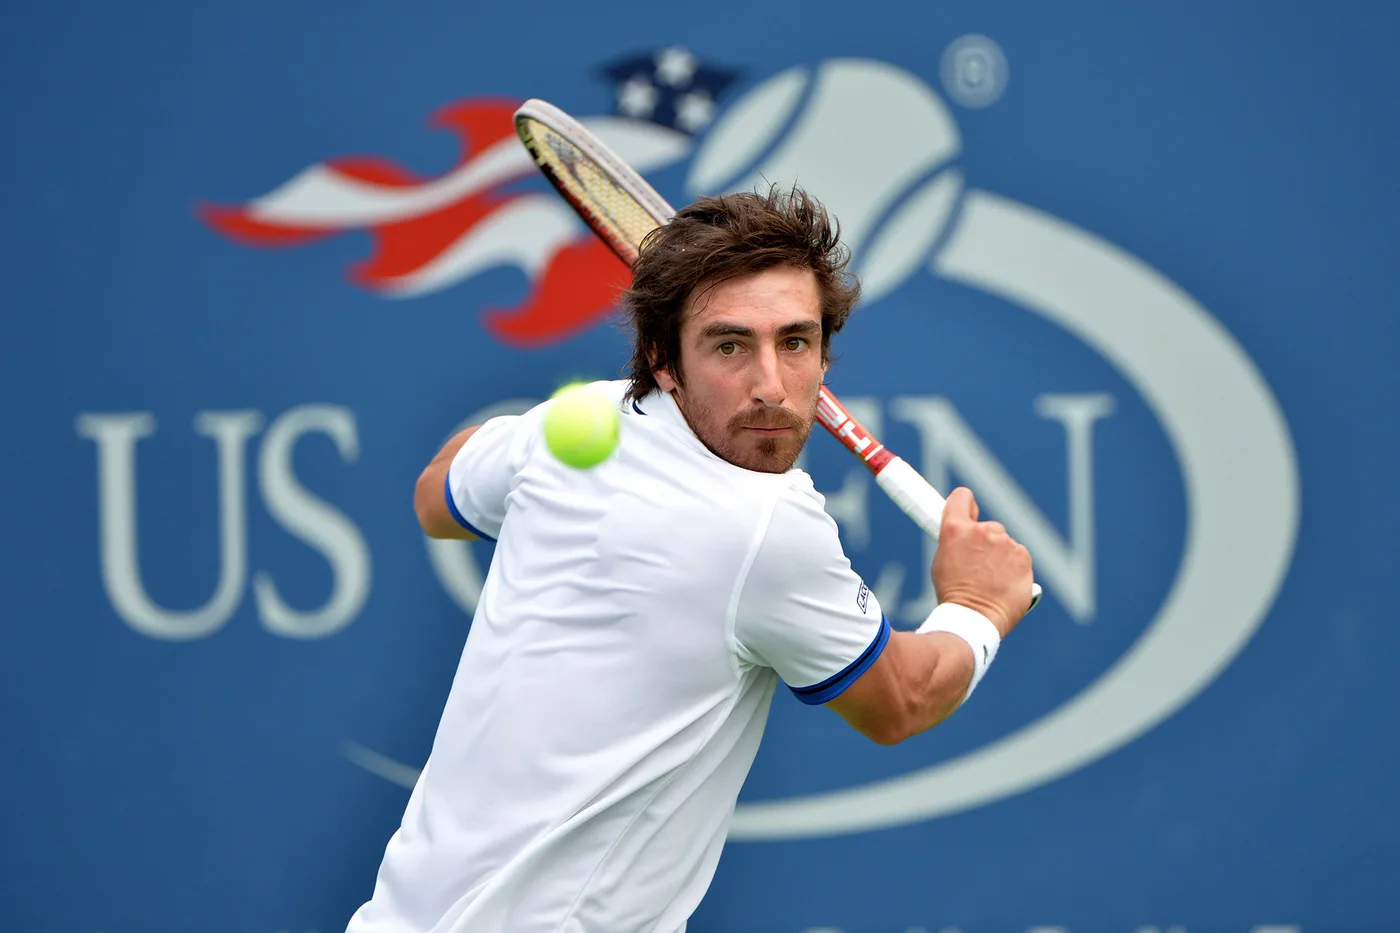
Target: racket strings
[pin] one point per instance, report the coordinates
(592, 188)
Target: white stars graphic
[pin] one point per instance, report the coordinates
(675, 67)
(636, 97)
(694, 111)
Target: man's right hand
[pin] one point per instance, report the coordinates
(980, 566)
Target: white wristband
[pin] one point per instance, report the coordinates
(972, 627)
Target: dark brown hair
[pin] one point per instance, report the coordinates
(721, 238)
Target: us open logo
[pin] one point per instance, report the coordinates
(909, 211)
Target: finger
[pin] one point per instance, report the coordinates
(994, 528)
(961, 507)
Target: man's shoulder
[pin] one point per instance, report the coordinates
(801, 490)
(800, 520)
(800, 545)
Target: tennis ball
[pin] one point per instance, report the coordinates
(580, 427)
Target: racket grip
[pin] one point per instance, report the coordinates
(912, 493)
(921, 502)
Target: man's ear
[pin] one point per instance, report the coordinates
(663, 375)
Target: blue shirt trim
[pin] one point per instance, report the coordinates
(834, 686)
(452, 507)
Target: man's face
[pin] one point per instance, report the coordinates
(751, 361)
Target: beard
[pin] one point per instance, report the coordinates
(730, 440)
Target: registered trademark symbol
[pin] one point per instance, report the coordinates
(974, 71)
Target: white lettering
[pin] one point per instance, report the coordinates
(116, 435)
(311, 519)
(1078, 584)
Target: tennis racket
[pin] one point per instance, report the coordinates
(622, 208)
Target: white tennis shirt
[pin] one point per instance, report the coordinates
(616, 680)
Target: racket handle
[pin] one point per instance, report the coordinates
(921, 502)
(912, 493)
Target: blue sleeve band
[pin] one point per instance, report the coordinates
(452, 507)
(834, 686)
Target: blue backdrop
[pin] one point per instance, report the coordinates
(1129, 274)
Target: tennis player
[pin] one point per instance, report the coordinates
(637, 617)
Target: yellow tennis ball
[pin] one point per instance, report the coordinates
(581, 425)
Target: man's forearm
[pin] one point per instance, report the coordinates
(916, 683)
(430, 497)
(947, 668)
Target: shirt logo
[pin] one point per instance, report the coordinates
(862, 596)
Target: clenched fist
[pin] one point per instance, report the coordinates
(980, 566)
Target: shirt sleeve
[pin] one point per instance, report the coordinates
(483, 472)
(802, 610)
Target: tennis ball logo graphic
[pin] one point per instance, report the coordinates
(869, 140)
(581, 425)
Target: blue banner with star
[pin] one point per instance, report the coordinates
(669, 86)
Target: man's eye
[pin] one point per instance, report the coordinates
(728, 349)
(797, 343)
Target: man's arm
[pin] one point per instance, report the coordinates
(921, 678)
(916, 683)
(430, 494)
(802, 611)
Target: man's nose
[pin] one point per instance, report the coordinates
(768, 389)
